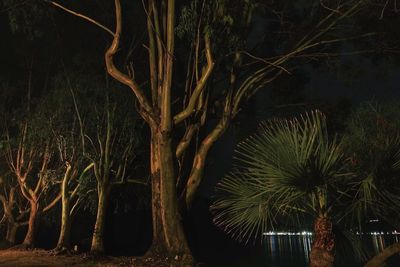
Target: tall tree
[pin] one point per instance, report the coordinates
(177, 115)
(112, 156)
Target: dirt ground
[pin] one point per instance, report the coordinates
(37, 257)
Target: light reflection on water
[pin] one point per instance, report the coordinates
(379, 242)
(293, 250)
(288, 250)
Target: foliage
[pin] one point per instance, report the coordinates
(26, 17)
(286, 169)
(372, 142)
(224, 21)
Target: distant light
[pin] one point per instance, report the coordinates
(304, 233)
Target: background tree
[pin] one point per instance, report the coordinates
(373, 146)
(28, 153)
(14, 208)
(70, 165)
(112, 156)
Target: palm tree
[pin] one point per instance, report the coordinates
(289, 169)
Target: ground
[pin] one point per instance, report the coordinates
(39, 257)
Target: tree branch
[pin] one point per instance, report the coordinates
(147, 112)
(190, 108)
(185, 141)
(152, 54)
(53, 203)
(199, 161)
(82, 16)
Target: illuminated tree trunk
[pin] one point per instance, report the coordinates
(65, 230)
(12, 228)
(65, 233)
(322, 250)
(12, 225)
(98, 233)
(168, 235)
(29, 240)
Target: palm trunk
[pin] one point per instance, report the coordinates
(322, 250)
(380, 259)
(11, 232)
(98, 233)
(29, 240)
(168, 235)
(65, 230)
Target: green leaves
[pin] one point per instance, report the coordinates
(26, 17)
(224, 21)
(280, 171)
(372, 143)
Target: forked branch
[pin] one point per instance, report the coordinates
(146, 111)
(199, 162)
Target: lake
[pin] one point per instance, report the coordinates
(292, 250)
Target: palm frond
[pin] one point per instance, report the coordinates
(277, 170)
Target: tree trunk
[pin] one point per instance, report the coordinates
(168, 235)
(65, 230)
(12, 228)
(322, 250)
(380, 259)
(98, 233)
(29, 240)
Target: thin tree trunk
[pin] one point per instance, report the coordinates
(168, 235)
(322, 250)
(64, 237)
(65, 230)
(12, 228)
(380, 259)
(98, 233)
(29, 240)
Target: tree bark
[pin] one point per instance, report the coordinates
(65, 230)
(64, 237)
(12, 228)
(322, 250)
(380, 259)
(29, 240)
(168, 235)
(97, 246)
